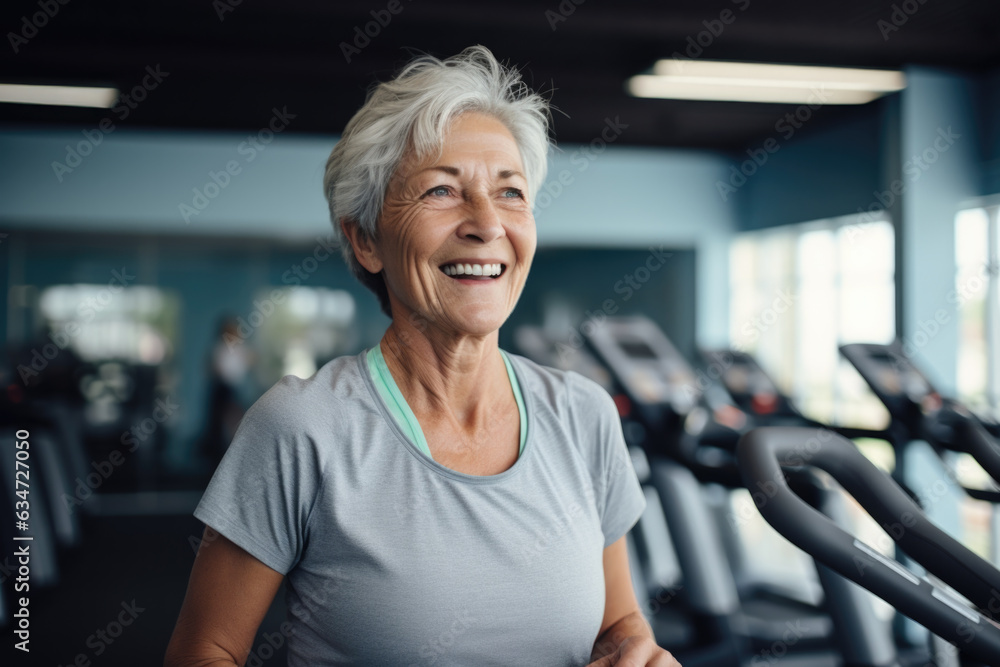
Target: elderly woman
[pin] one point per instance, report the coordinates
(433, 500)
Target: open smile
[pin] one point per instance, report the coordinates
(468, 270)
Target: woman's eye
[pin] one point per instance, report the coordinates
(513, 193)
(439, 191)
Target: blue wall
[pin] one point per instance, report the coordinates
(634, 197)
(989, 115)
(941, 172)
(817, 173)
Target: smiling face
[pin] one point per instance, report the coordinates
(456, 236)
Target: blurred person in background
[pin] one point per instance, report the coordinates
(433, 499)
(229, 366)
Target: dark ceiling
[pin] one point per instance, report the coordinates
(231, 61)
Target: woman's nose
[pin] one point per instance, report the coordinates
(482, 221)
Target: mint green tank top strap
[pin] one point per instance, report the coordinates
(403, 415)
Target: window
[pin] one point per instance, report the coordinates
(799, 292)
(136, 324)
(976, 298)
(300, 328)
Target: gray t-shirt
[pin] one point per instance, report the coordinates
(395, 560)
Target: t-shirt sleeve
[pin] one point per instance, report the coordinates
(619, 497)
(263, 491)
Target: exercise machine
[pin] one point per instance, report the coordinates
(691, 439)
(768, 455)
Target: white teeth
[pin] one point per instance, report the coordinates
(473, 269)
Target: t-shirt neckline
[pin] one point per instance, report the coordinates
(401, 419)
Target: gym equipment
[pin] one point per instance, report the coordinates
(757, 394)
(919, 412)
(765, 454)
(750, 387)
(693, 430)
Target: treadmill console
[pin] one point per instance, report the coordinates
(751, 388)
(891, 375)
(648, 366)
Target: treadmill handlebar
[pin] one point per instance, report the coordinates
(967, 434)
(764, 452)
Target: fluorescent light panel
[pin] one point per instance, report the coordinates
(71, 96)
(755, 82)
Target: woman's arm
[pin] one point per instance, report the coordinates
(625, 637)
(228, 595)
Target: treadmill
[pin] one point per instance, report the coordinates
(691, 440)
(757, 394)
(750, 387)
(919, 412)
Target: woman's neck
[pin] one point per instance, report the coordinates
(457, 375)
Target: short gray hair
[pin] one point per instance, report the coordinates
(413, 111)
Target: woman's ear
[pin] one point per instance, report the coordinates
(363, 246)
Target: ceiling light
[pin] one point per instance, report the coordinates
(755, 82)
(72, 96)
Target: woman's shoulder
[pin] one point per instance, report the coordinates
(328, 390)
